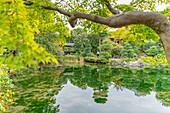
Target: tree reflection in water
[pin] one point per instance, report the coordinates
(36, 90)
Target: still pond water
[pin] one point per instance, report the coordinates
(92, 89)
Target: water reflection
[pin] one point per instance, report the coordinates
(39, 91)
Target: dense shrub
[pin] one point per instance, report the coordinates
(71, 57)
(77, 45)
(87, 51)
(153, 51)
(136, 50)
(148, 44)
(68, 48)
(128, 51)
(105, 55)
(109, 46)
(96, 59)
(156, 61)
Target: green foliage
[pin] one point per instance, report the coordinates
(111, 47)
(87, 51)
(105, 55)
(88, 48)
(136, 50)
(6, 94)
(68, 48)
(18, 26)
(93, 40)
(136, 34)
(72, 57)
(148, 44)
(153, 51)
(77, 45)
(166, 12)
(156, 61)
(96, 59)
(49, 42)
(127, 51)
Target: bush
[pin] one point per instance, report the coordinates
(90, 54)
(156, 61)
(127, 51)
(148, 44)
(66, 49)
(109, 46)
(83, 54)
(153, 51)
(105, 55)
(71, 57)
(136, 50)
(76, 54)
(96, 59)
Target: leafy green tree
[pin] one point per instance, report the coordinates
(77, 45)
(111, 47)
(106, 55)
(49, 42)
(94, 41)
(81, 39)
(153, 51)
(127, 51)
(87, 50)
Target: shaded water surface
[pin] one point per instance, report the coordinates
(92, 89)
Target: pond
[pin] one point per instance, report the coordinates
(92, 89)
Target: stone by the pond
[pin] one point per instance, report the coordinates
(112, 63)
(141, 64)
(134, 65)
(119, 63)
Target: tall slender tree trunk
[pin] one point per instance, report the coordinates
(100, 44)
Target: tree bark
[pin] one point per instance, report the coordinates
(100, 44)
(165, 39)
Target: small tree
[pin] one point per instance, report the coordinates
(128, 51)
(111, 47)
(77, 45)
(87, 50)
(153, 51)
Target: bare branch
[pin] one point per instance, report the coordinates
(111, 9)
(59, 10)
(93, 18)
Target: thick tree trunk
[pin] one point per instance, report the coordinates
(165, 38)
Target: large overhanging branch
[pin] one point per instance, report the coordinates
(151, 19)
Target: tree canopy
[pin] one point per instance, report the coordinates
(21, 19)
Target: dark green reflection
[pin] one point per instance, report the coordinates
(36, 90)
